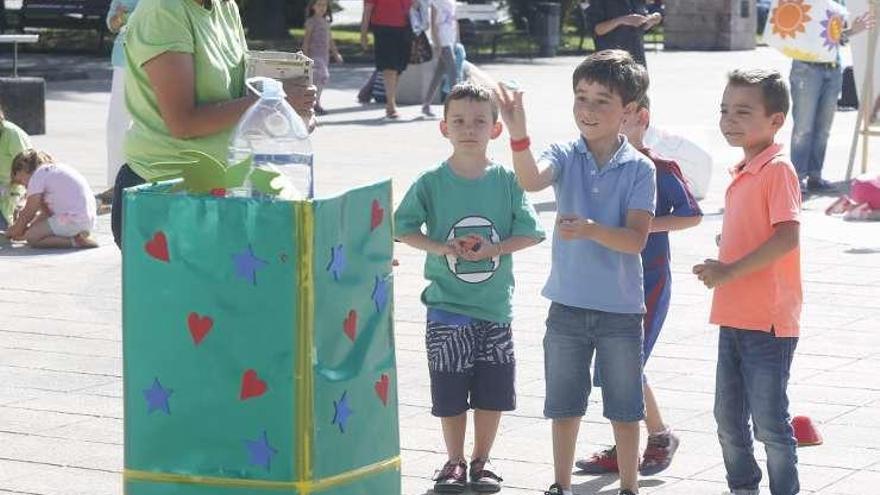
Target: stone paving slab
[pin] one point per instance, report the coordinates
(60, 341)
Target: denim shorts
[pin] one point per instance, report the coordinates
(471, 364)
(572, 336)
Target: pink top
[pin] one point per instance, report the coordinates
(764, 192)
(65, 191)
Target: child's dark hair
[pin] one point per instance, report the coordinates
(29, 160)
(474, 92)
(616, 70)
(327, 15)
(772, 85)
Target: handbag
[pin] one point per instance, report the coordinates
(421, 50)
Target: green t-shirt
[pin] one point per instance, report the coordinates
(215, 39)
(13, 141)
(494, 207)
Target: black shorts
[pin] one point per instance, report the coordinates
(393, 45)
(472, 366)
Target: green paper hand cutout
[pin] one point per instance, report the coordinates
(202, 174)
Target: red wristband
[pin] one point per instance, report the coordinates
(520, 144)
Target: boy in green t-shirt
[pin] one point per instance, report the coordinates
(476, 215)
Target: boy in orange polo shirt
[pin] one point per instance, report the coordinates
(757, 282)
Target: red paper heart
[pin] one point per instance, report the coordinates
(350, 324)
(381, 387)
(199, 326)
(377, 214)
(157, 247)
(251, 385)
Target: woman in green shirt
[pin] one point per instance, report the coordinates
(13, 141)
(184, 87)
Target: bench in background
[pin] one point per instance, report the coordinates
(65, 14)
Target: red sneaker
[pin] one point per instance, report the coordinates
(658, 454)
(599, 463)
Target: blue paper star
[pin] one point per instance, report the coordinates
(380, 293)
(337, 261)
(157, 398)
(343, 412)
(260, 451)
(246, 265)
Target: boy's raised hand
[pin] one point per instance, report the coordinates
(510, 104)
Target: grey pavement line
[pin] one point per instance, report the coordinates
(56, 437)
(63, 320)
(15, 405)
(59, 293)
(54, 370)
(40, 334)
(851, 409)
(55, 464)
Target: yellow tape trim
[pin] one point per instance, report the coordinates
(355, 474)
(183, 479)
(305, 384)
(301, 486)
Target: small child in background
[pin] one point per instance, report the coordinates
(60, 207)
(318, 45)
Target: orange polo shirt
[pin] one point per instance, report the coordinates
(765, 191)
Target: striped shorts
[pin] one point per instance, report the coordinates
(471, 363)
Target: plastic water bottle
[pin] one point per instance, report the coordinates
(278, 140)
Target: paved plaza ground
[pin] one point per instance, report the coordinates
(60, 350)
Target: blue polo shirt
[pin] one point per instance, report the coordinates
(583, 273)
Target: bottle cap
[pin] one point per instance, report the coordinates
(271, 89)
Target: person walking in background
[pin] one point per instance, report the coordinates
(815, 87)
(392, 37)
(621, 24)
(118, 118)
(445, 31)
(319, 46)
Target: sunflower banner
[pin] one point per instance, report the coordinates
(807, 30)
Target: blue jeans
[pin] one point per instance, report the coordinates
(573, 334)
(814, 92)
(751, 382)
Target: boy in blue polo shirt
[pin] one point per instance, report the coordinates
(605, 195)
(676, 210)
